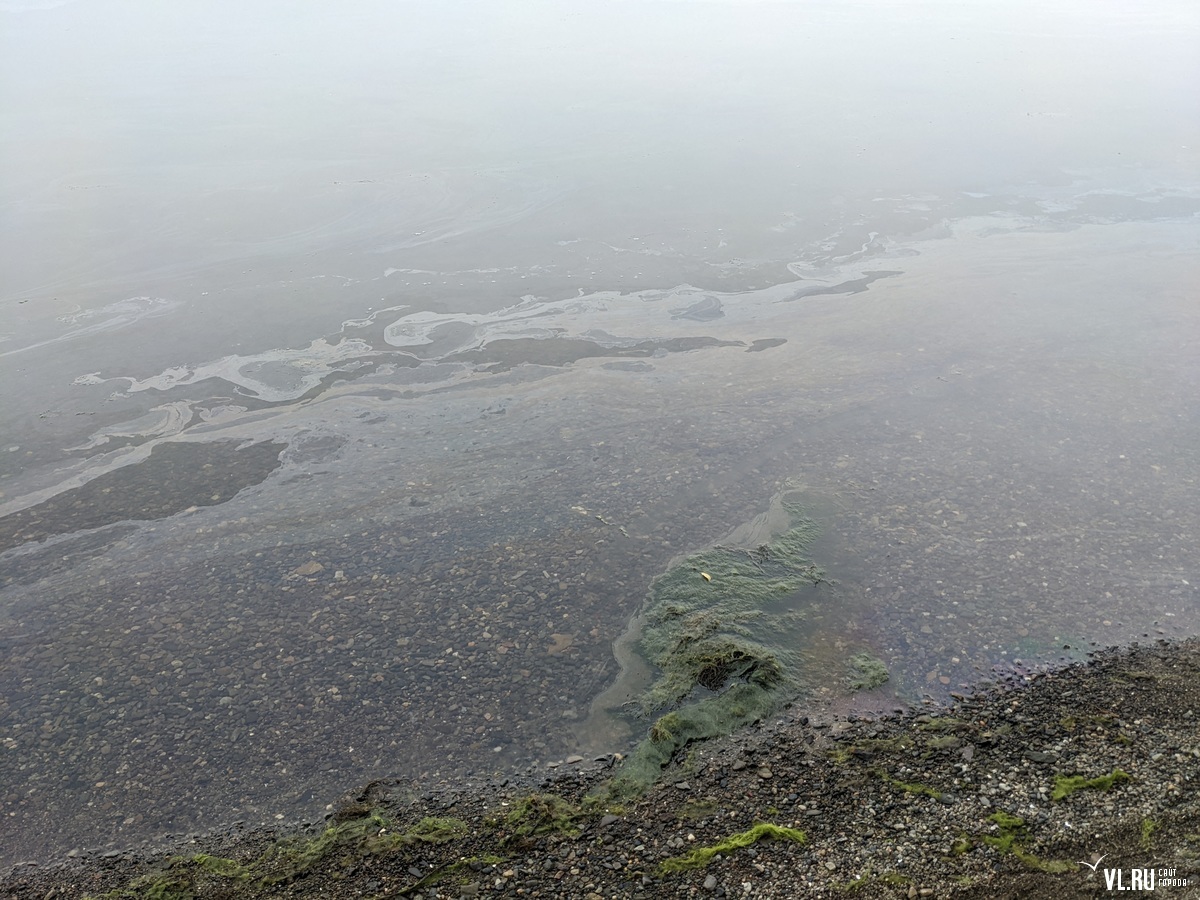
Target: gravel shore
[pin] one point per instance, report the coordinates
(1014, 793)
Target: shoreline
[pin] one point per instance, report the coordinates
(960, 800)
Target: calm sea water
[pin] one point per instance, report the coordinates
(361, 368)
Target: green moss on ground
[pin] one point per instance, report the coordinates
(701, 856)
(1066, 785)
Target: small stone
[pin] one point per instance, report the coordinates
(683, 786)
(738, 765)
(469, 890)
(608, 820)
(830, 865)
(710, 883)
(764, 772)
(571, 760)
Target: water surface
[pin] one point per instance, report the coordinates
(362, 369)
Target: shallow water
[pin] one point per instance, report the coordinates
(533, 306)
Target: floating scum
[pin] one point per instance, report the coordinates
(716, 625)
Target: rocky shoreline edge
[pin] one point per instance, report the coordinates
(1064, 784)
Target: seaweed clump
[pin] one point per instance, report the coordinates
(204, 876)
(701, 614)
(866, 672)
(707, 624)
(702, 855)
(1013, 834)
(1066, 785)
(538, 814)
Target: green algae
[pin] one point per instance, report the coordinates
(696, 809)
(908, 787)
(714, 717)
(1012, 829)
(701, 856)
(1066, 785)
(202, 876)
(701, 615)
(541, 814)
(867, 881)
(944, 723)
(1013, 834)
(1149, 826)
(866, 672)
(711, 627)
(898, 744)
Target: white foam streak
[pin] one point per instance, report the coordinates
(111, 317)
(161, 421)
(274, 375)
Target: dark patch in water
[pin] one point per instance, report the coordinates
(507, 353)
(854, 286)
(174, 477)
(26, 568)
(632, 366)
(703, 310)
(765, 344)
